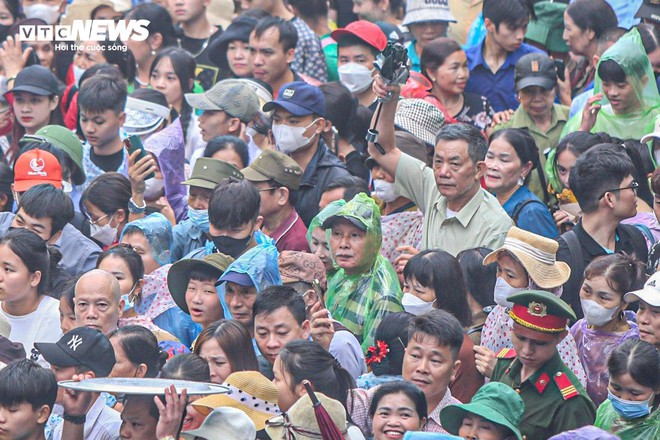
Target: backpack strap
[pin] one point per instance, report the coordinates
(519, 207)
(576, 260)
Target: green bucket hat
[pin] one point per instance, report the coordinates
(495, 402)
(68, 142)
(548, 27)
(179, 275)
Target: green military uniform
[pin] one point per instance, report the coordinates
(555, 401)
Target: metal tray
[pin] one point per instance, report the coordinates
(138, 386)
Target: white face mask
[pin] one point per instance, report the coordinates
(503, 290)
(356, 77)
(105, 234)
(595, 314)
(415, 305)
(49, 14)
(77, 74)
(384, 190)
(250, 131)
(289, 139)
(154, 188)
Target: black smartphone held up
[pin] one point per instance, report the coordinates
(561, 69)
(132, 144)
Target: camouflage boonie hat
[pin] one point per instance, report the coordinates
(233, 97)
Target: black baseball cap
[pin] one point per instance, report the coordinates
(36, 79)
(535, 69)
(82, 346)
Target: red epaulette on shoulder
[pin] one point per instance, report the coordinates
(566, 387)
(506, 353)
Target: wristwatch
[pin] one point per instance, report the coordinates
(76, 420)
(135, 209)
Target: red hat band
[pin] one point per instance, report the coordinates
(536, 317)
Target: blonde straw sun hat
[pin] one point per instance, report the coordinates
(538, 255)
(249, 391)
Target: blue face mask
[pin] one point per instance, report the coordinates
(629, 409)
(200, 218)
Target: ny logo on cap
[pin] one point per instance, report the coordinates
(74, 342)
(288, 93)
(37, 164)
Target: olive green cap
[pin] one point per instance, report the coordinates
(178, 276)
(208, 172)
(273, 165)
(67, 141)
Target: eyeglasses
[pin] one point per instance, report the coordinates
(96, 222)
(634, 186)
(269, 188)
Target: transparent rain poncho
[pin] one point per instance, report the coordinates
(158, 231)
(628, 429)
(360, 300)
(630, 55)
(317, 222)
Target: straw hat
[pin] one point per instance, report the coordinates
(249, 391)
(300, 420)
(537, 254)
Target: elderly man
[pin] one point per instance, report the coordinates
(98, 301)
(458, 213)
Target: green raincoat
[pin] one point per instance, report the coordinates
(317, 222)
(360, 301)
(636, 429)
(628, 53)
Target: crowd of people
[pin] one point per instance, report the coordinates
(438, 218)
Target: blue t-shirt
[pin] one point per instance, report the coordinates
(497, 87)
(534, 216)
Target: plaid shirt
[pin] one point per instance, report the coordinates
(360, 302)
(360, 400)
(309, 58)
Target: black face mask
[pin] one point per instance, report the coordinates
(233, 247)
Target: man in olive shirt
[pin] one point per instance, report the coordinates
(555, 401)
(458, 213)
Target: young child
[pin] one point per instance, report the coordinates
(192, 285)
(102, 99)
(27, 396)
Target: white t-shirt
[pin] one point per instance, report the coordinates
(103, 423)
(42, 325)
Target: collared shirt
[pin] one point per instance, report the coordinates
(590, 248)
(309, 57)
(497, 87)
(360, 400)
(547, 412)
(186, 237)
(415, 62)
(291, 235)
(79, 253)
(323, 169)
(102, 423)
(481, 222)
